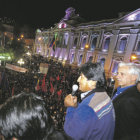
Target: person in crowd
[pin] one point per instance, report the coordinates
(25, 117)
(93, 118)
(126, 101)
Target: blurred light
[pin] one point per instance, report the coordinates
(9, 57)
(21, 35)
(132, 17)
(86, 46)
(104, 50)
(39, 38)
(20, 61)
(28, 53)
(133, 57)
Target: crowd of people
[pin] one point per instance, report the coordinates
(52, 87)
(96, 112)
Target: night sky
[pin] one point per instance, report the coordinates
(46, 13)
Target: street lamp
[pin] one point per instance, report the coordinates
(133, 57)
(86, 46)
(20, 61)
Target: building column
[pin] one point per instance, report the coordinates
(131, 43)
(113, 41)
(68, 47)
(77, 50)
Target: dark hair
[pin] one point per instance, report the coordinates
(25, 117)
(95, 72)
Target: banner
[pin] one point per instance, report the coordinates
(44, 68)
(15, 68)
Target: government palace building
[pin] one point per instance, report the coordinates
(75, 41)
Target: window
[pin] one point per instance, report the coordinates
(80, 59)
(93, 44)
(102, 61)
(66, 37)
(122, 45)
(75, 42)
(84, 42)
(72, 58)
(106, 44)
(138, 47)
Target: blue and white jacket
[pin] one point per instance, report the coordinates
(93, 119)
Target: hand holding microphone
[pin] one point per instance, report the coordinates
(71, 100)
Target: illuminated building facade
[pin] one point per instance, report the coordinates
(75, 41)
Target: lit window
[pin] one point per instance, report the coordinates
(106, 44)
(122, 45)
(84, 42)
(80, 59)
(138, 47)
(72, 58)
(93, 44)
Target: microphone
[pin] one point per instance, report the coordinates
(74, 89)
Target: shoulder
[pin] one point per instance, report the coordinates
(131, 92)
(85, 112)
(130, 98)
(101, 104)
(131, 89)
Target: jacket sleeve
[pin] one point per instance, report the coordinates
(78, 122)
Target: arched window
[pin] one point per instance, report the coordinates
(138, 47)
(75, 42)
(93, 44)
(106, 44)
(80, 59)
(84, 42)
(122, 45)
(72, 58)
(66, 37)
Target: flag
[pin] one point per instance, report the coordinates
(54, 46)
(52, 42)
(58, 78)
(37, 85)
(43, 86)
(59, 94)
(51, 89)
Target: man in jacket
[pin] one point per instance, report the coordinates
(93, 118)
(126, 103)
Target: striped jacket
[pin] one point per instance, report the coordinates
(93, 119)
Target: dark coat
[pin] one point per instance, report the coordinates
(127, 111)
